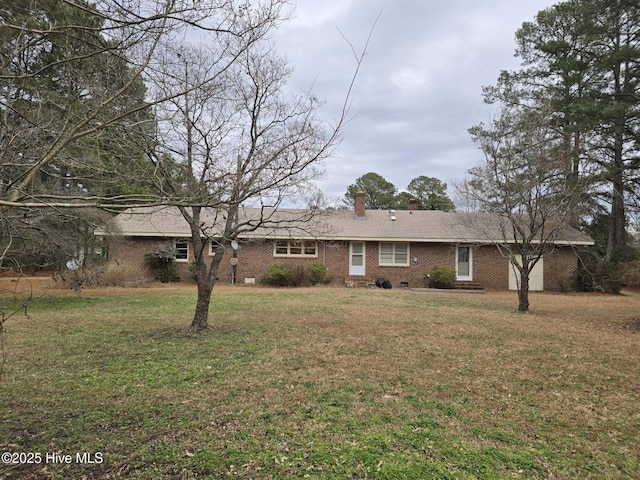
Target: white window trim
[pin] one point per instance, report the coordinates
(175, 245)
(394, 263)
(295, 255)
(213, 245)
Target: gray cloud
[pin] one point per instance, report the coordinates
(420, 86)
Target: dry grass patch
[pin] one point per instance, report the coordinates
(324, 383)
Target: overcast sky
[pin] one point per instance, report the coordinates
(420, 86)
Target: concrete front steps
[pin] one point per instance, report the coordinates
(359, 282)
(467, 286)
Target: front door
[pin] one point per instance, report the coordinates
(463, 264)
(356, 259)
(536, 276)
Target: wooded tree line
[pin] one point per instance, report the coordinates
(585, 57)
(72, 101)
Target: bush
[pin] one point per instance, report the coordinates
(283, 275)
(318, 274)
(442, 277)
(115, 274)
(597, 274)
(279, 274)
(299, 276)
(161, 261)
(631, 273)
(111, 274)
(80, 278)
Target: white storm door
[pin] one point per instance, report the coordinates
(463, 264)
(356, 259)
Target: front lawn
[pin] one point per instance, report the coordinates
(323, 383)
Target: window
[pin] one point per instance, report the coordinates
(182, 250)
(295, 248)
(213, 247)
(394, 254)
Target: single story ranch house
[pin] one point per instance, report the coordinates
(356, 247)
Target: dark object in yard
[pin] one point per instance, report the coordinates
(383, 283)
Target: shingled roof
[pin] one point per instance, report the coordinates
(429, 226)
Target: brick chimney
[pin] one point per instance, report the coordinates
(359, 204)
(413, 204)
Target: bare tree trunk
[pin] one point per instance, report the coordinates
(203, 274)
(205, 280)
(523, 292)
(201, 316)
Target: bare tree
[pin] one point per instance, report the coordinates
(520, 197)
(232, 137)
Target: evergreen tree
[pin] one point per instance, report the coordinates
(380, 193)
(430, 194)
(581, 60)
(57, 72)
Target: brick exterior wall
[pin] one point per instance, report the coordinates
(131, 250)
(560, 270)
(490, 269)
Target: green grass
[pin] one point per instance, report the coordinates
(323, 383)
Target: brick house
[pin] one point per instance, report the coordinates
(356, 247)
